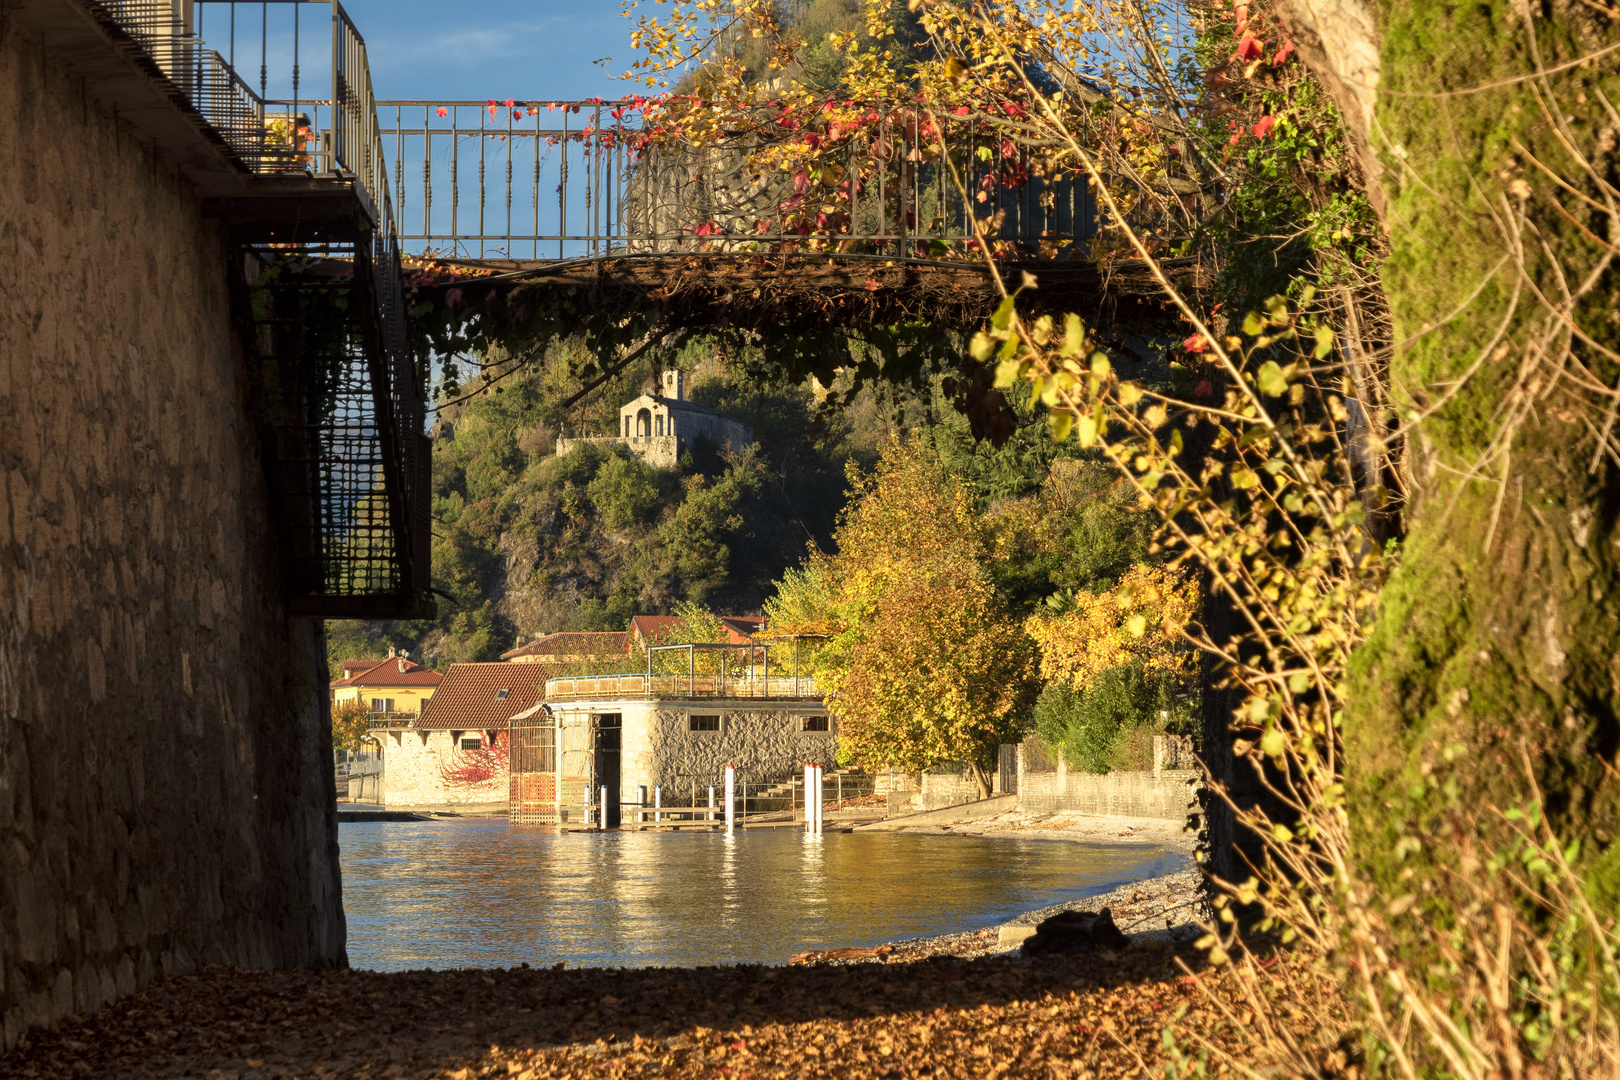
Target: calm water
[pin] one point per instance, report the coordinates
(485, 894)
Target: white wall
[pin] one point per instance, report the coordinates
(412, 771)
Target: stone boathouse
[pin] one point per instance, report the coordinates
(676, 733)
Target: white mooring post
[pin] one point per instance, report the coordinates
(817, 829)
(604, 807)
(809, 811)
(658, 802)
(711, 802)
(731, 804)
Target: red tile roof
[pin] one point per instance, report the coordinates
(389, 671)
(742, 627)
(652, 627)
(482, 697)
(573, 646)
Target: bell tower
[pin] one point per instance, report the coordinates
(673, 385)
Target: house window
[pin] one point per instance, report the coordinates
(500, 695)
(382, 704)
(814, 723)
(473, 743)
(660, 423)
(695, 722)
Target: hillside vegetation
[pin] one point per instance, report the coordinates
(529, 542)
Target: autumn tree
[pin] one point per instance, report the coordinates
(351, 724)
(926, 662)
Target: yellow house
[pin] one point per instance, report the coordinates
(392, 687)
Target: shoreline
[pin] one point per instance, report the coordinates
(1157, 912)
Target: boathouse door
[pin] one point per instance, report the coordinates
(609, 739)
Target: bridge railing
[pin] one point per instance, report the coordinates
(539, 180)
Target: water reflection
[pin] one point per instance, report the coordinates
(486, 894)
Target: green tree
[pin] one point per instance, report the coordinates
(1090, 725)
(625, 491)
(698, 533)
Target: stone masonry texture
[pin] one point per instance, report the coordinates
(165, 774)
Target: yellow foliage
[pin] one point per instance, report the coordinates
(1140, 621)
(926, 663)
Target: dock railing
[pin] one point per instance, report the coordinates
(760, 799)
(592, 687)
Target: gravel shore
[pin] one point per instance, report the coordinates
(1164, 909)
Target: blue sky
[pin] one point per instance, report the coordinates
(524, 49)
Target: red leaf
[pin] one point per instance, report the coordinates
(1249, 48)
(443, 111)
(1195, 343)
(1263, 128)
(510, 102)
(1203, 389)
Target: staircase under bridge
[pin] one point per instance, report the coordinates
(267, 111)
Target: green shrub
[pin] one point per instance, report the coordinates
(625, 491)
(1110, 725)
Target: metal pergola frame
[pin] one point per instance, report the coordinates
(692, 647)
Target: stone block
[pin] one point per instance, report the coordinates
(1013, 934)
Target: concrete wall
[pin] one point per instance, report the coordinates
(413, 771)
(1168, 795)
(165, 763)
(934, 792)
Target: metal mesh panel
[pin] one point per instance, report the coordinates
(1038, 757)
(533, 770)
(348, 475)
(359, 545)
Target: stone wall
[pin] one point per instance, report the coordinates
(659, 451)
(763, 740)
(764, 743)
(165, 765)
